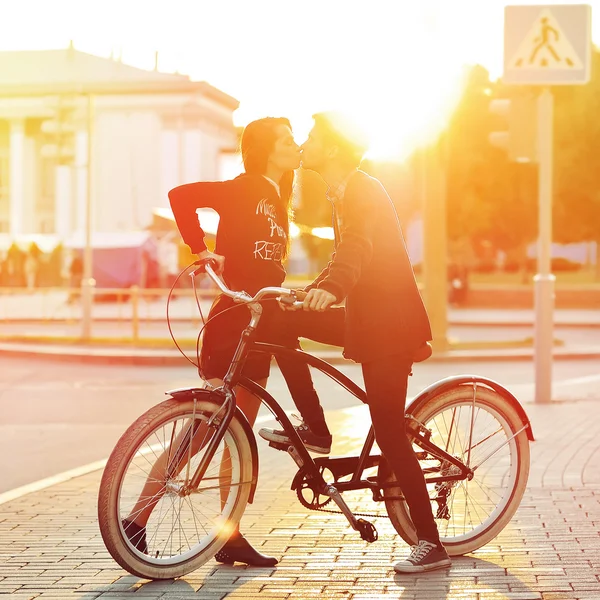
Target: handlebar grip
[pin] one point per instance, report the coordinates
(203, 263)
(291, 300)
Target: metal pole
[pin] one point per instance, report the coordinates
(435, 253)
(544, 280)
(87, 282)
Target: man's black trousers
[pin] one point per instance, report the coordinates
(386, 383)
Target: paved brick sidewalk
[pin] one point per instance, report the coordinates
(50, 546)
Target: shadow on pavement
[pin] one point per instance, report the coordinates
(218, 581)
(466, 572)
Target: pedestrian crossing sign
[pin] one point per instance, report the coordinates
(547, 45)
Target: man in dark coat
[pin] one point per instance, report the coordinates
(384, 325)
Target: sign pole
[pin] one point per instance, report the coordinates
(546, 45)
(544, 280)
(435, 252)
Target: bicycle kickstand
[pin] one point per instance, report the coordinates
(365, 528)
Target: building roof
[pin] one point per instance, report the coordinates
(42, 72)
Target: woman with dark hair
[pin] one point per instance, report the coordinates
(252, 241)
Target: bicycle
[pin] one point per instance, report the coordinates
(471, 436)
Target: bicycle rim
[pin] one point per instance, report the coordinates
(183, 526)
(477, 427)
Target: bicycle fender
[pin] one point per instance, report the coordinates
(443, 385)
(217, 398)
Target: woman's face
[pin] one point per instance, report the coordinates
(286, 153)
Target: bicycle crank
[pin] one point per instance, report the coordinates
(365, 528)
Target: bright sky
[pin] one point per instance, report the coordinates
(393, 64)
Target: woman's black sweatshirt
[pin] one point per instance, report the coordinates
(252, 228)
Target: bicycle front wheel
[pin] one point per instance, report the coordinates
(477, 426)
(146, 482)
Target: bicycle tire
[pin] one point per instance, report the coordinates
(129, 447)
(512, 483)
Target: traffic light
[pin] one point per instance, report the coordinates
(520, 137)
(59, 134)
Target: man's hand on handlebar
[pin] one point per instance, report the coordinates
(218, 260)
(318, 300)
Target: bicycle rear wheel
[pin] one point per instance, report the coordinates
(145, 480)
(477, 426)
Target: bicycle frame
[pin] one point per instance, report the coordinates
(343, 466)
(308, 468)
(339, 466)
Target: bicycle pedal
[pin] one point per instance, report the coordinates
(367, 530)
(279, 446)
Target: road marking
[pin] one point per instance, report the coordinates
(578, 380)
(47, 482)
(42, 484)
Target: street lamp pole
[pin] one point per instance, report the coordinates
(87, 282)
(435, 243)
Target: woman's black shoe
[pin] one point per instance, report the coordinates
(238, 549)
(136, 535)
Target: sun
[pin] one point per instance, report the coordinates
(408, 114)
(401, 101)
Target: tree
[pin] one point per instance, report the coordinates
(576, 151)
(488, 197)
(467, 159)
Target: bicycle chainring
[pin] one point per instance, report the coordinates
(311, 499)
(308, 495)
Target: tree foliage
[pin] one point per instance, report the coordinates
(576, 159)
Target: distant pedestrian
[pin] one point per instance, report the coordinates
(75, 276)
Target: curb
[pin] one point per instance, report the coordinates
(592, 324)
(113, 356)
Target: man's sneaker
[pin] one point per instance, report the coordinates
(425, 556)
(317, 443)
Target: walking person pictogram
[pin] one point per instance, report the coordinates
(544, 41)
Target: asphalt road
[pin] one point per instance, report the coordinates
(57, 416)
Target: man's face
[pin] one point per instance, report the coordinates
(315, 152)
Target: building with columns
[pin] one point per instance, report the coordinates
(150, 131)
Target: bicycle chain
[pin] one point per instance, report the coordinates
(332, 512)
(339, 512)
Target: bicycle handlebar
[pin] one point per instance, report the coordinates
(245, 298)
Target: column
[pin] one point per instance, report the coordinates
(62, 201)
(17, 176)
(80, 195)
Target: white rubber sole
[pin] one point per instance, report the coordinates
(270, 436)
(441, 564)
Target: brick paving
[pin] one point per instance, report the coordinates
(50, 545)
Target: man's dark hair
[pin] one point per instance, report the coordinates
(340, 131)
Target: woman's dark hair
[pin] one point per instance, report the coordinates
(258, 141)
